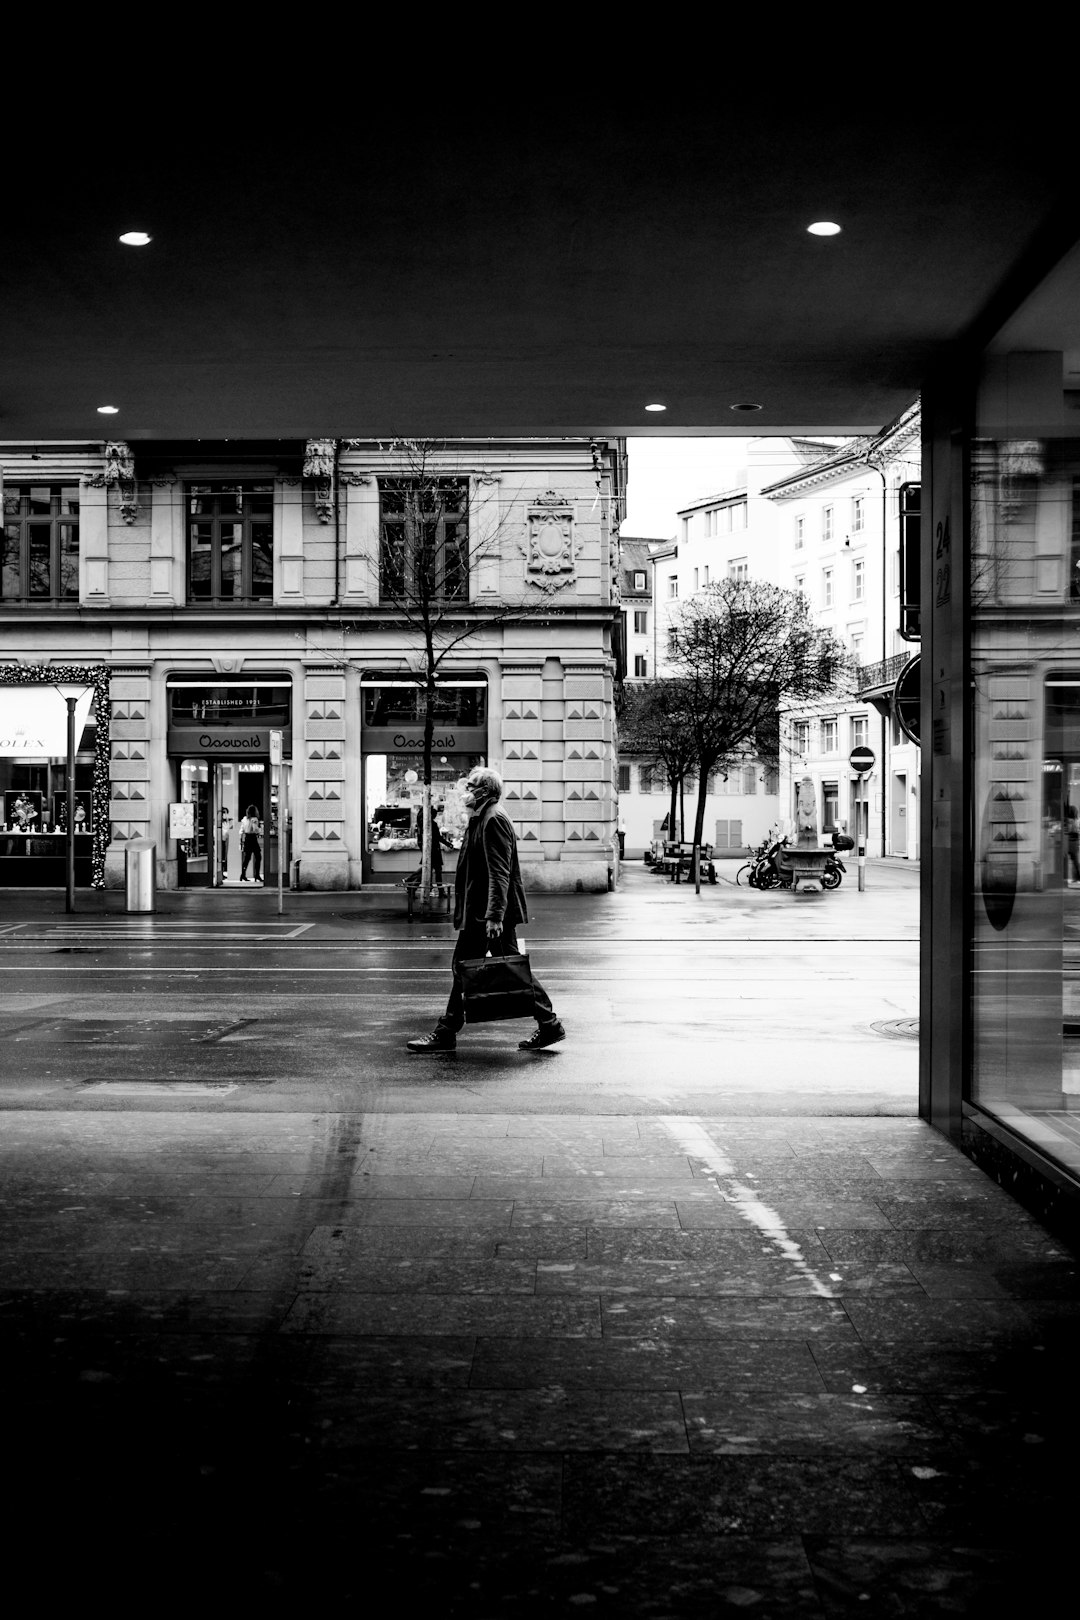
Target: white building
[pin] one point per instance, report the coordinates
(836, 537)
(821, 516)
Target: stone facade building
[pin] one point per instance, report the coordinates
(235, 590)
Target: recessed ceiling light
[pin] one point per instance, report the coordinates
(135, 238)
(656, 407)
(108, 410)
(824, 227)
(747, 407)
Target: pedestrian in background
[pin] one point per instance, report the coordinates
(226, 829)
(489, 903)
(250, 845)
(1072, 843)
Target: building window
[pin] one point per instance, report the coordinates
(639, 580)
(738, 516)
(230, 542)
(857, 643)
(624, 778)
(710, 524)
(827, 587)
(706, 574)
(859, 727)
(800, 533)
(738, 568)
(424, 524)
(649, 779)
(858, 580)
(830, 807)
(673, 585)
(827, 523)
(828, 736)
(641, 621)
(800, 582)
(697, 581)
(801, 736)
(858, 514)
(41, 542)
(641, 664)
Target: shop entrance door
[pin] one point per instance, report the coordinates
(222, 793)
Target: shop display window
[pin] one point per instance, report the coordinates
(1024, 601)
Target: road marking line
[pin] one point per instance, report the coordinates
(697, 1142)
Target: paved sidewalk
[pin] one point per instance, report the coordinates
(507, 1365)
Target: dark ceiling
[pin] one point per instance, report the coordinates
(498, 275)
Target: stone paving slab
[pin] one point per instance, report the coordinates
(538, 1365)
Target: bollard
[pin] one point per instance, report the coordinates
(140, 875)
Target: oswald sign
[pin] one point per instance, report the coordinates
(410, 739)
(224, 742)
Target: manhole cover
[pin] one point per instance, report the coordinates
(898, 1029)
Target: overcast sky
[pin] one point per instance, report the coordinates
(665, 474)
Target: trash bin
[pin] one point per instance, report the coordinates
(140, 875)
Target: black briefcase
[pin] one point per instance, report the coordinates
(494, 987)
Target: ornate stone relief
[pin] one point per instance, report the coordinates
(319, 456)
(119, 473)
(550, 546)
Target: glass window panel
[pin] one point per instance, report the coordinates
(69, 560)
(262, 560)
(12, 502)
(201, 553)
(10, 569)
(39, 550)
(69, 500)
(40, 500)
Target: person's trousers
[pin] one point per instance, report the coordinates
(252, 853)
(472, 941)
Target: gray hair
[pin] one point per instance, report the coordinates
(488, 781)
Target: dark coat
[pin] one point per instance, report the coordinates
(488, 884)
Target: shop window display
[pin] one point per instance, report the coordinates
(1025, 693)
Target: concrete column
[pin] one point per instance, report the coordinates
(130, 802)
(522, 768)
(319, 754)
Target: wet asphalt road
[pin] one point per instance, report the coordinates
(728, 1001)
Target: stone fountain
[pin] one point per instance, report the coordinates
(806, 862)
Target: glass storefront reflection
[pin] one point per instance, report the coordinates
(393, 798)
(1025, 684)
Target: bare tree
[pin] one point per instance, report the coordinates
(430, 547)
(655, 722)
(737, 649)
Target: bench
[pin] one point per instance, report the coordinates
(677, 862)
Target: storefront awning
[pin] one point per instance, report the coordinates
(33, 720)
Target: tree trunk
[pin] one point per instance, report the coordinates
(425, 797)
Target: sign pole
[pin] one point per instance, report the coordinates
(70, 850)
(278, 775)
(862, 760)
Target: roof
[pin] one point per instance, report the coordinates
(481, 275)
(893, 440)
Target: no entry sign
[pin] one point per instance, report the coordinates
(862, 760)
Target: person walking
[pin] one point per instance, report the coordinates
(1072, 843)
(489, 903)
(250, 845)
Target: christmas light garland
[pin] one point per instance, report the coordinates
(97, 676)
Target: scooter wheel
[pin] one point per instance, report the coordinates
(831, 880)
